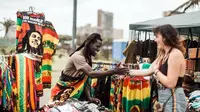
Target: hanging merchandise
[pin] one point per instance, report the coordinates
(130, 52)
(29, 39)
(100, 87)
(130, 94)
(126, 93)
(25, 84)
(37, 36)
(17, 87)
(29, 32)
(49, 40)
(6, 87)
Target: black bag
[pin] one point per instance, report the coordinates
(155, 104)
(154, 93)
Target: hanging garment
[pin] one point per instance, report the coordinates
(6, 89)
(116, 94)
(149, 49)
(29, 40)
(130, 53)
(130, 94)
(25, 81)
(100, 87)
(136, 93)
(93, 81)
(49, 40)
(102, 90)
(29, 32)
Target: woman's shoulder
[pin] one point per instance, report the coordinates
(176, 53)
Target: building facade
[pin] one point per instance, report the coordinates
(104, 27)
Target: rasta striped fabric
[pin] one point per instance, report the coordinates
(78, 86)
(128, 93)
(24, 77)
(50, 40)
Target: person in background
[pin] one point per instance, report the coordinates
(79, 68)
(169, 69)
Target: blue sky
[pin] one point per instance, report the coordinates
(60, 12)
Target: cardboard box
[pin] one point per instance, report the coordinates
(193, 52)
(190, 65)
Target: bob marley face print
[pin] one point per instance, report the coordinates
(35, 39)
(32, 43)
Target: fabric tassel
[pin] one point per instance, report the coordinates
(32, 90)
(21, 79)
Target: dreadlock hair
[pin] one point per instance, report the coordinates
(90, 40)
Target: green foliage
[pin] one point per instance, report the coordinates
(64, 37)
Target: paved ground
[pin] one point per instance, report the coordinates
(57, 66)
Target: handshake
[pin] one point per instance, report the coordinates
(120, 69)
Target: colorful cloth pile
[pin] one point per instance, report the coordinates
(194, 101)
(72, 105)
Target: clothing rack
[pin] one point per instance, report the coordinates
(129, 65)
(104, 63)
(36, 57)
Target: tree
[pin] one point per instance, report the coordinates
(187, 5)
(7, 23)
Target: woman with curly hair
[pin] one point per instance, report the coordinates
(169, 69)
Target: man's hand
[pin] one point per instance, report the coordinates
(119, 69)
(95, 100)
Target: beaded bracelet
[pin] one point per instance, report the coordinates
(156, 72)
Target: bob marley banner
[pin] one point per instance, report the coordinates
(34, 35)
(29, 32)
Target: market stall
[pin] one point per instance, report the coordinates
(25, 73)
(188, 27)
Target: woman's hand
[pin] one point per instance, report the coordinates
(156, 67)
(95, 100)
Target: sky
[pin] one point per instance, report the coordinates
(60, 12)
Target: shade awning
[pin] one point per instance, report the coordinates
(186, 20)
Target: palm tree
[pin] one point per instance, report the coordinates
(7, 23)
(186, 6)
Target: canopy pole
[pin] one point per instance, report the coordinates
(197, 58)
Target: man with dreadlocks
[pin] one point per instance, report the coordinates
(73, 79)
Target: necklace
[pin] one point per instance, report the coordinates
(165, 57)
